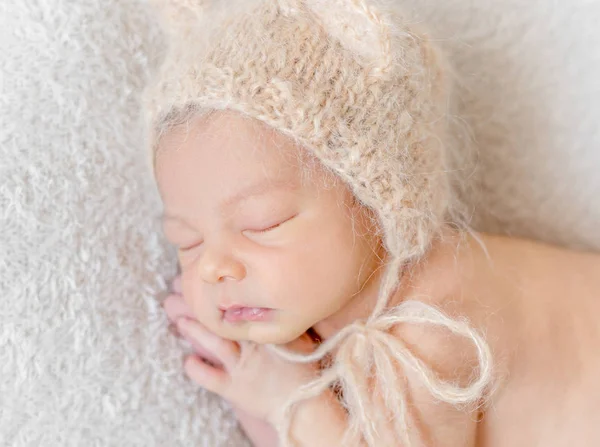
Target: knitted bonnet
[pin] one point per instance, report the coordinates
(351, 83)
(340, 78)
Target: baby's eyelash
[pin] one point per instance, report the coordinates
(188, 247)
(272, 227)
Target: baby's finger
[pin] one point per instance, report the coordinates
(176, 308)
(176, 285)
(227, 352)
(205, 354)
(205, 375)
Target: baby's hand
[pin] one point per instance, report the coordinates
(176, 308)
(260, 432)
(252, 377)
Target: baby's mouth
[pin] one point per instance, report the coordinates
(237, 314)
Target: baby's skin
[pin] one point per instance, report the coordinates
(260, 432)
(539, 307)
(269, 252)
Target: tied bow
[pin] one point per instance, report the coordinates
(365, 360)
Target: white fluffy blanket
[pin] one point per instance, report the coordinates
(85, 358)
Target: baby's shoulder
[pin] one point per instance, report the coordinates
(548, 299)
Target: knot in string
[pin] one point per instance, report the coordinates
(365, 357)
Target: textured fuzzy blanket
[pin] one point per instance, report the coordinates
(85, 357)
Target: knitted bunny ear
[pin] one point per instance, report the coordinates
(179, 15)
(358, 25)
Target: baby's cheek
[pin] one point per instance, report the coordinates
(284, 286)
(308, 293)
(193, 295)
(301, 283)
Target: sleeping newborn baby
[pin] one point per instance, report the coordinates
(537, 305)
(333, 295)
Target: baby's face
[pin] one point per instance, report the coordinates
(266, 250)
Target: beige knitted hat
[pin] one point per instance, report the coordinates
(347, 81)
(352, 83)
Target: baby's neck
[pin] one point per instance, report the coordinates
(437, 279)
(417, 282)
(358, 308)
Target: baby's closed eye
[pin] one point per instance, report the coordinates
(264, 228)
(182, 237)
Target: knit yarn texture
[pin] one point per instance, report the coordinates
(349, 81)
(367, 101)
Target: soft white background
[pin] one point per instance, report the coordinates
(85, 359)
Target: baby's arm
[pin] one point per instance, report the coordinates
(319, 422)
(260, 432)
(322, 421)
(439, 424)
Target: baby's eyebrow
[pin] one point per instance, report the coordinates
(257, 189)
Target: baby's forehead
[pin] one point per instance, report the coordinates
(234, 139)
(233, 153)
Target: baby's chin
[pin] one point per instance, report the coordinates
(264, 333)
